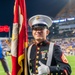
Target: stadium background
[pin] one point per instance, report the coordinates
(62, 13)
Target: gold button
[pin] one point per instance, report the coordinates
(56, 73)
(51, 73)
(37, 57)
(37, 52)
(61, 73)
(45, 58)
(36, 71)
(36, 66)
(38, 48)
(37, 62)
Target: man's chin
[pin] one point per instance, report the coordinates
(39, 39)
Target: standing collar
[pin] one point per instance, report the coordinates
(43, 43)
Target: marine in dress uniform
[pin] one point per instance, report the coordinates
(38, 53)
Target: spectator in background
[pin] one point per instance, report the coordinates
(3, 59)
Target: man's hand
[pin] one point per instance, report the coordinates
(43, 69)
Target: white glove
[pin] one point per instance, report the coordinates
(43, 69)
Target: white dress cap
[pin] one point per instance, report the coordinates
(40, 19)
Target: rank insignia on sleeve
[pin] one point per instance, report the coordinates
(64, 59)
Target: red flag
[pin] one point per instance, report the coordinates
(19, 37)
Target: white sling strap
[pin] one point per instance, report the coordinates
(29, 51)
(50, 53)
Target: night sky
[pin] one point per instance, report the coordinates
(45, 7)
(6, 15)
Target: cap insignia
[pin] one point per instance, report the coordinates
(37, 17)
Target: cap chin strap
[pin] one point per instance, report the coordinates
(40, 25)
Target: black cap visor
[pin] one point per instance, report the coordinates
(39, 26)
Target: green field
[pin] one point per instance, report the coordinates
(71, 60)
(2, 72)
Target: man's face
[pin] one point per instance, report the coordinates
(40, 33)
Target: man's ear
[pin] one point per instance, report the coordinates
(47, 32)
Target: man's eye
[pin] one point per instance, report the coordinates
(37, 28)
